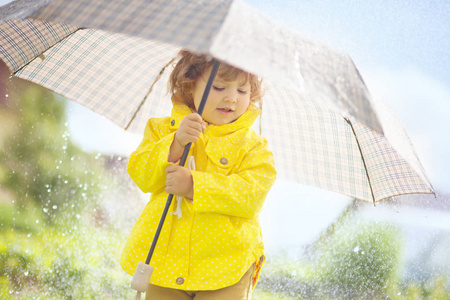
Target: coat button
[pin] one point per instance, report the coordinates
(180, 280)
(172, 122)
(223, 161)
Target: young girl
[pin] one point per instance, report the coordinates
(214, 248)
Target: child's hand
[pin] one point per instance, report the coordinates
(179, 181)
(190, 129)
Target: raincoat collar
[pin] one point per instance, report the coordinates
(180, 110)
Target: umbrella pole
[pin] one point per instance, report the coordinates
(143, 272)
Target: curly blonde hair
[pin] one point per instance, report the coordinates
(190, 67)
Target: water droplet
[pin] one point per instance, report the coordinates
(45, 210)
(55, 206)
(356, 249)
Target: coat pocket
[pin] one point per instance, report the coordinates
(222, 157)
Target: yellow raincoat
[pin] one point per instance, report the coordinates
(218, 237)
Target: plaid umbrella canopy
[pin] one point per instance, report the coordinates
(115, 57)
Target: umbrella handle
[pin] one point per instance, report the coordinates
(214, 70)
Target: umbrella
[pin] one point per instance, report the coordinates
(322, 125)
(115, 56)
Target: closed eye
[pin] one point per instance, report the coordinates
(243, 92)
(218, 88)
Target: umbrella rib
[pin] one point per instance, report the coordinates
(149, 91)
(362, 158)
(41, 55)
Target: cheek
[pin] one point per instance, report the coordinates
(245, 103)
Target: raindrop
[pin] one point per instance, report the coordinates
(55, 206)
(45, 210)
(356, 249)
(37, 221)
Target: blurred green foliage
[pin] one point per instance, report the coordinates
(358, 260)
(362, 259)
(38, 162)
(50, 263)
(53, 242)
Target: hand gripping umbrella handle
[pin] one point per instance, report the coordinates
(143, 272)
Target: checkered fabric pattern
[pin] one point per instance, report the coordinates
(24, 40)
(229, 30)
(124, 78)
(316, 146)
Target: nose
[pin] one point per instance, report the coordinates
(231, 97)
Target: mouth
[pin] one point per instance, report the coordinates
(225, 110)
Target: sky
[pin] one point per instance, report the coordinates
(401, 50)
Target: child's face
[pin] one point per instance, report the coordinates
(227, 100)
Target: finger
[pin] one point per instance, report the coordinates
(195, 125)
(170, 169)
(168, 190)
(195, 117)
(190, 129)
(197, 120)
(193, 133)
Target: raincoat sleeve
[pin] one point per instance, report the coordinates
(240, 194)
(147, 164)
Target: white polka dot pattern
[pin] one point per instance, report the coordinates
(219, 236)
